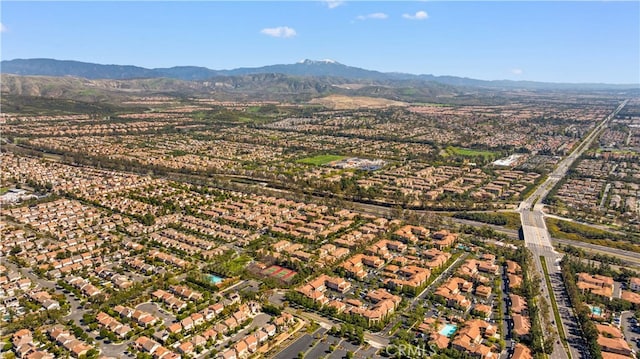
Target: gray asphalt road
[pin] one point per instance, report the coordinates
(373, 339)
(632, 258)
(155, 310)
(115, 350)
(538, 240)
(259, 321)
(569, 322)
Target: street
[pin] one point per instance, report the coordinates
(538, 241)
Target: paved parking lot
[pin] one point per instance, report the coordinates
(322, 348)
(338, 354)
(301, 345)
(627, 323)
(342, 347)
(369, 352)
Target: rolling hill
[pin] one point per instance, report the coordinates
(306, 68)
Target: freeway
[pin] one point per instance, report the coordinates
(628, 258)
(538, 240)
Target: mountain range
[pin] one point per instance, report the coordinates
(306, 68)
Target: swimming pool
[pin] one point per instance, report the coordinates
(214, 278)
(448, 330)
(596, 310)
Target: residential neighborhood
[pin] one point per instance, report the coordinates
(202, 228)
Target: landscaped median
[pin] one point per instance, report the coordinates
(554, 305)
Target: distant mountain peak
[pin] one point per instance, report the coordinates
(305, 68)
(313, 62)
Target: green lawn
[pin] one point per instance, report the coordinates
(320, 159)
(468, 152)
(236, 265)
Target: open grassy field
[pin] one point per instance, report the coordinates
(320, 160)
(236, 265)
(468, 152)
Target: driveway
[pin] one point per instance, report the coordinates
(617, 289)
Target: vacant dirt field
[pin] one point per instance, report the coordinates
(340, 102)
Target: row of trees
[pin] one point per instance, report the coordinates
(530, 290)
(590, 333)
(355, 334)
(580, 253)
(484, 217)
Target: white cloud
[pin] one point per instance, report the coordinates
(3, 28)
(420, 15)
(517, 71)
(374, 16)
(332, 4)
(280, 31)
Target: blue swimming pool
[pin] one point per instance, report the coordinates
(596, 310)
(214, 278)
(448, 330)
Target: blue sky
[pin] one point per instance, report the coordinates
(542, 41)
